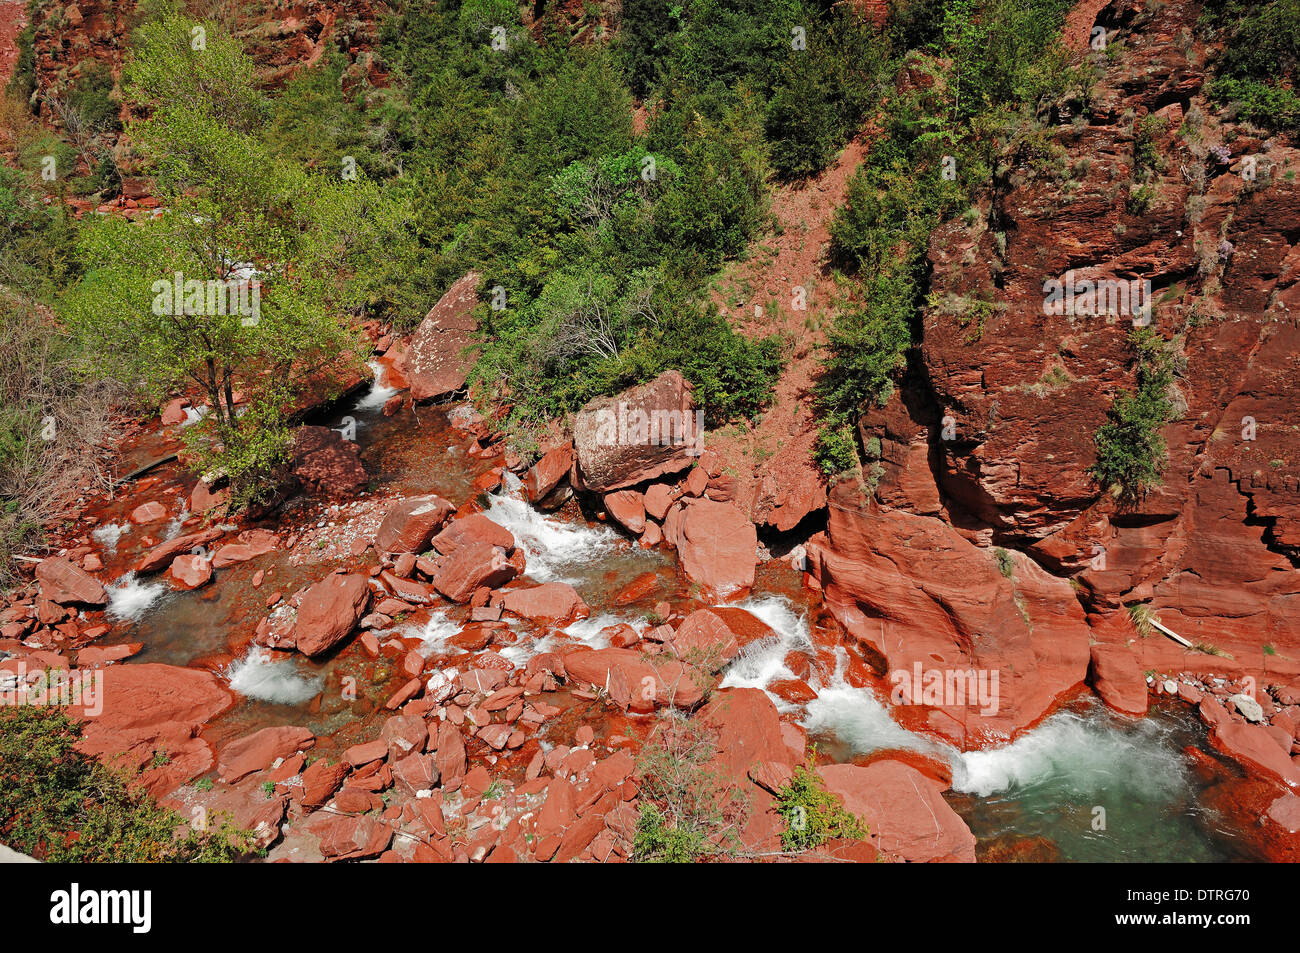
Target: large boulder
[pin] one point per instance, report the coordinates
(635, 681)
(474, 528)
(1117, 679)
(556, 603)
(67, 584)
(904, 811)
(642, 433)
(329, 611)
(470, 567)
(410, 524)
(718, 634)
(140, 710)
(189, 571)
(435, 361)
(718, 547)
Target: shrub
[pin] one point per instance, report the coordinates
(62, 806)
(813, 815)
(1130, 450)
(688, 811)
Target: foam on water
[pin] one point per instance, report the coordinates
(588, 631)
(129, 598)
(860, 720)
(1082, 756)
(379, 392)
(554, 548)
(281, 682)
(434, 633)
(109, 534)
(176, 525)
(760, 663)
(193, 415)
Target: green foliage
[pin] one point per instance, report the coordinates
(1006, 565)
(62, 806)
(813, 815)
(1257, 66)
(688, 811)
(232, 208)
(836, 450)
(990, 65)
(91, 97)
(1130, 450)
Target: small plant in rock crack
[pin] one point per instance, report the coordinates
(812, 814)
(688, 810)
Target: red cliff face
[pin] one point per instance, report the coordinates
(991, 441)
(281, 38)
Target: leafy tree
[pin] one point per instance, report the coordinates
(236, 222)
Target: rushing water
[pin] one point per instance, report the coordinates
(1052, 784)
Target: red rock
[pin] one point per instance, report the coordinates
(404, 734)
(494, 736)
(330, 610)
(632, 681)
(545, 475)
(904, 811)
(652, 536)
(173, 411)
(629, 439)
(410, 524)
(353, 838)
(325, 463)
(473, 528)
(718, 634)
(1254, 749)
(151, 512)
(1118, 680)
(771, 775)
(203, 498)
(556, 603)
(252, 543)
(150, 707)
(415, 773)
(319, 782)
(189, 572)
(451, 755)
(92, 563)
(658, 498)
(558, 812)
(403, 695)
(470, 566)
(718, 547)
(627, 507)
(162, 555)
(914, 591)
(94, 656)
(260, 750)
(435, 362)
(67, 584)
(748, 731)
(366, 752)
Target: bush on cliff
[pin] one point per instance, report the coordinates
(1130, 450)
(61, 806)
